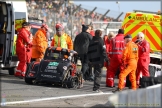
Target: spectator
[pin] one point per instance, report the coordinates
(97, 55)
(53, 10)
(81, 44)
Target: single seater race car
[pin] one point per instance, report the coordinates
(59, 66)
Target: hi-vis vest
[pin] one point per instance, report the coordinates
(63, 43)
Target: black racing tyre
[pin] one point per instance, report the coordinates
(72, 82)
(11, 71)
(147, 81)
(29, 80)
(29, 66)
(158, 80)
(64, 85)
(152, 70)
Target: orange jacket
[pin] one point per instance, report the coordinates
(40, 44)
(130, 52)
(68, 41)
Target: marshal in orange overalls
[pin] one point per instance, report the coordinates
(130, 59)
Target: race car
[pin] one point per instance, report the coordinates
(59, 66)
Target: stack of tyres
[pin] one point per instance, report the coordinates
(155, 72)
(150, 81)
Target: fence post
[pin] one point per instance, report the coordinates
(72, 12)
(105, 14)
(119, 15)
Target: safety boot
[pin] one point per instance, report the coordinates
(17, 74)
(110, 86)
(117, 90)
(80, 86)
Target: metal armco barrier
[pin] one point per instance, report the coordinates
(149, 97)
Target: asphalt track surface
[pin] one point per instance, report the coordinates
(16, 93)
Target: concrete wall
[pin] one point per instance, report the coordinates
(149, 97)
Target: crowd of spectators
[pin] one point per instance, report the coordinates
(60, 11)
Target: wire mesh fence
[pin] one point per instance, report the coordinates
(60, 11)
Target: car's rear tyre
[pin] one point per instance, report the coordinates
(29, 80)
(64, 85)
(72, 82)
(11, 71)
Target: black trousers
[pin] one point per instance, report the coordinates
(84, 61)
(90, 70)
(97, 76)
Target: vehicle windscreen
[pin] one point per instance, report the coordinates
(20, 17)
(33, 31)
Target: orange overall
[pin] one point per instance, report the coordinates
(40, 44)
(130, 59)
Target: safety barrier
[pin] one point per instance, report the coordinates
(148, 97)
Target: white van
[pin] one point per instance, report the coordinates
(12, 13)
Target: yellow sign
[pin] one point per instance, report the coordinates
(18, 23)
(14, 46)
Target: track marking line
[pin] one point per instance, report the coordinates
(54, 98)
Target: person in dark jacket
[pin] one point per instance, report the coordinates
(97, 56)
(81, 44)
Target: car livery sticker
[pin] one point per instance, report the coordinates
(53, 64)
(51, 67)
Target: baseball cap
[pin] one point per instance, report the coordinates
(25, 24)
(128, 36)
